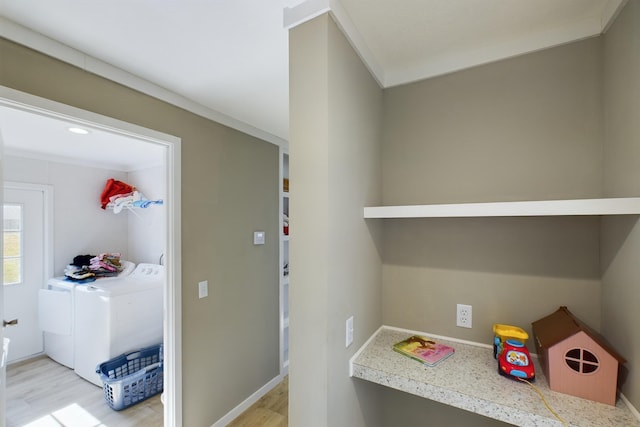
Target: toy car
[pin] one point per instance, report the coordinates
(506, 332)
(514, 361)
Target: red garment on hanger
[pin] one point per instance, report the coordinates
(112, 188)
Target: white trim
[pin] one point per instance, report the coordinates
(358, 43)
(25, 36)
(303, 12)
(281, 278)
(608, 206)
(173, 290)
(632, 408)
(362, 347)
(94, 163)
(246, 404)
(310, 9)
(450, 62)
(5, 341)
(47, 201)
(172, 305)
(610, 13)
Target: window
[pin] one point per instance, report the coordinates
(12, 254)
(581, 360)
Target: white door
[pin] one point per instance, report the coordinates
(3, 352)
(24, 265)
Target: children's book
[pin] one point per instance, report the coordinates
(424, 350)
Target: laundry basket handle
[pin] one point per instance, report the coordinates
(151, 367)
(133, 355)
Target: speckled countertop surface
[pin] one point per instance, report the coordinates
(469, 380)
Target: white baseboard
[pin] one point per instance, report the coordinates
(632, 408)
(235, 412)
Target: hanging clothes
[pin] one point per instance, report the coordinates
(114, 189)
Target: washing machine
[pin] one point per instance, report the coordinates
(56, 314)
(116, 317)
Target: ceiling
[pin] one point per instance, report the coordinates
(228, 59)
(44, 137)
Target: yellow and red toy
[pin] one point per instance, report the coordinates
(514, 360)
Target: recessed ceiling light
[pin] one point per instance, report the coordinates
(79, 131)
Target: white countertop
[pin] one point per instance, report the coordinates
(469, 380)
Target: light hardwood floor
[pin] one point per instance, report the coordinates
(43, 393)
(272, 410)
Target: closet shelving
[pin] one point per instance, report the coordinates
(604, 206)
(373, 363)
(284, 261)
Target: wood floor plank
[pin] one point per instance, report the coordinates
(41, 392)
(272, 410)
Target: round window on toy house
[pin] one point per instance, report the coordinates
(581, 360)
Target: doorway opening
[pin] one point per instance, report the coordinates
(12, 101)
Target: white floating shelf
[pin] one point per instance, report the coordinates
(610, 206)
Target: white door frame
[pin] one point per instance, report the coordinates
(173, 255)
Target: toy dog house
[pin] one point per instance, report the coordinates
(576, 359)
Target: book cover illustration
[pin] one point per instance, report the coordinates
(424, 350)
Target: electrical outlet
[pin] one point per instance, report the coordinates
(463, 318)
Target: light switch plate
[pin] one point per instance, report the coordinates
(349, 331)
(258, 237)
(203, 289)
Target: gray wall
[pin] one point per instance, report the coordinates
(525, 128)
(531, 127)
(336, 110)
(229, 189)
(621, 236)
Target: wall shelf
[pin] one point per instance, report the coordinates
(606, 206)
(469, 380)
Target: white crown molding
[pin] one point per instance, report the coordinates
(610, 13)
(356, 40)
(304, 11)
(461, 60)
(25, 36)
(452, 61)
(310, 9)
(48, 157)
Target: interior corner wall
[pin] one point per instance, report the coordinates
(334, 148)
(621, 235)
(79, 225)
(147, 228)
(524, 128)
(229, 189)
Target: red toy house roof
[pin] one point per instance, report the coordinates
(562, 324)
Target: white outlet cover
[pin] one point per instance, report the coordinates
(464, 316)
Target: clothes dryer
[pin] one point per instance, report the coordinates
(116, 317)
(56, 314)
